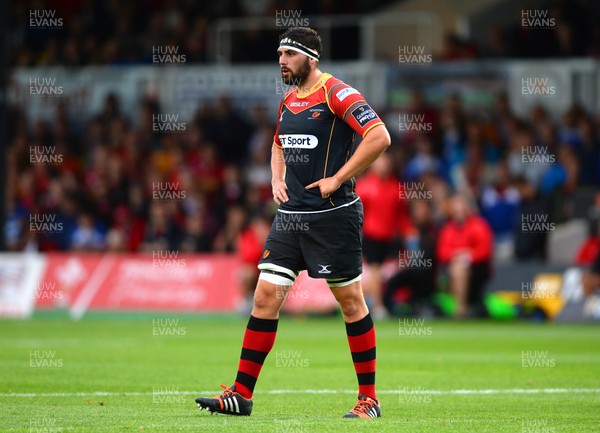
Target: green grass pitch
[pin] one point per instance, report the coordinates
(118, 373)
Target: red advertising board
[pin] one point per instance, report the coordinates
(138, 282)
(162, 281)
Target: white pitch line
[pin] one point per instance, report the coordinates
(92, 286)
(317, 391)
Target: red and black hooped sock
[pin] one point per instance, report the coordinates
(361, 338)
(258, 342)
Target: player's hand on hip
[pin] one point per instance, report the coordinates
(327, 186)
(279, 191)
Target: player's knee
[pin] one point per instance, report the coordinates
(351, 305)
(263, 300)
(271, 290)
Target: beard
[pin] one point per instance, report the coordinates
(299, 76)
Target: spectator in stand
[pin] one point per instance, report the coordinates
(500, 206)
(530, 241)
(452, 137)
(591, 278)
(456, 48)
(86, 235)
(161, 233)
(524, 158)
(384, 215)
(423, 161)
(465, 250)
(227, 238)
(439, 191)
(228, 128)
(418, 270)
(250, 248)
(591, 247)
(422, 116)
(589, 153)
(195, 239)
(232, 191)
(472, 162)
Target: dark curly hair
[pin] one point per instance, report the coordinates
(306, 36)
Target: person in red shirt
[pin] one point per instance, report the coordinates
(385, 215)
(465, 248)
(250, 249)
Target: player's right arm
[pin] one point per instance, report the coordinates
(278, 175)
(278, 162)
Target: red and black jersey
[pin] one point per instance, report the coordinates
(316, 131)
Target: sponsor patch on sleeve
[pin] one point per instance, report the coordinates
(344, 93)
(364, 114)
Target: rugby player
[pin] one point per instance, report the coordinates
(314, 161)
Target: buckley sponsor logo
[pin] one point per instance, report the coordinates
(299, 104)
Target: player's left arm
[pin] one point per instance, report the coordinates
(375, 142)
(349, 105)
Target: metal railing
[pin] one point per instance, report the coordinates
(372, 31)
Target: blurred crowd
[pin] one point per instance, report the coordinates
(572, 32)
(117, 184)
(450, 194)
(110, 32)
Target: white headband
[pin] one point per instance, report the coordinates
(290, 44)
